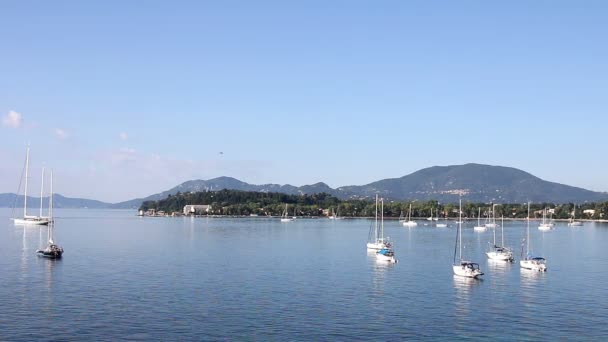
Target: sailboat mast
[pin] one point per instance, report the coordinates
(27, 167)
(376, 226)
(494, 229)
(479, 217)
(51, 223)
(528, 234)
(460, 226)
(41, 190)
(502, 230)
(382, 219)
(51, 200)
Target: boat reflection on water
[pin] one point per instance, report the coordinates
(531, 277)
(465, 288)
(499, 266)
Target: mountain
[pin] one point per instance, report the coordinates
(214, 184)
(476, 182)
(7, 200)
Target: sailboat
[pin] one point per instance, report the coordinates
(436, 213)
(401, 217)
(29, 219)
(463, 268)
(501, 253)
(479, 227)
(284, 217)
(441, 225)
(409, 222)
(545, 224)
(376, 240)
(529, 262)
(386, 253)
(572, 222)
(335, 215)
(491, 218)
(52, 250)
(430, 218)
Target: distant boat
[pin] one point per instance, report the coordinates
(29, 219)
(335, 216)
(386, 253)
(479, 227)
(545, 224)
(442, 225)
(430, 218)
(501, 252)
(52, 250)
(284, 217)
(528, 261)
(376, 240)
(572, 222)
(464, 268)
(491, 221)
(409, 222)
(401, 217)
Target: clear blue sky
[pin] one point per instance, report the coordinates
(128, 98)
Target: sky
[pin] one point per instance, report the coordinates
(123, 99)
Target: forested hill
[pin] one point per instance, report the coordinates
(233, 202)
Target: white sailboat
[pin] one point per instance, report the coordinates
(52, 250)
(491, 217)
(430, 218)
(501, 252)
(528, 261)
(409, 222)
(335, 215)
(376, 240)
(479, 227)
(30, 219)
(386, 253)
(441, 225)
(464, 268)
(284, 217)
(401, 217)
(436, 213)
(545, 224)
(572, 222)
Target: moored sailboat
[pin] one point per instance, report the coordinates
(30, 219)
(376, 240)
(464, 268)
(409, 222)
(52, 250)
(284, 217)
(545, 224)
(501, 252)
(573, 222)
(386, 253)
(479, 227)
(528, 261)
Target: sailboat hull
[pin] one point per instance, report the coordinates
(410, 224)
(464, 271)
(479, 229)
(533, 265)
(31, 221)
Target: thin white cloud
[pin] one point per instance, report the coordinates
(61, 134)
(124, 136)
(12, 119)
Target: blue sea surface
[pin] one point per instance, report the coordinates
(124, 277)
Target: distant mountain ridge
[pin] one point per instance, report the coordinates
(7, 200)
(476, 182)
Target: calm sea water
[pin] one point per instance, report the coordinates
(129, 278)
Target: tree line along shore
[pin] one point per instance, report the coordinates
(249, 203)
